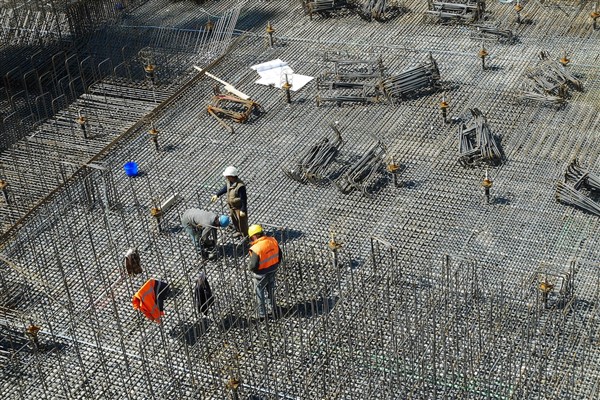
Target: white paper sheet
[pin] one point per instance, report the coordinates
(274, 72)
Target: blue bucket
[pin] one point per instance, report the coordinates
(131, 168)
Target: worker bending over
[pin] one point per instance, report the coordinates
(202, 226)
(236, 199)
(265, 257)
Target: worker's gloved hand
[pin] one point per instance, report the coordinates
(242, 214)
(213, 198)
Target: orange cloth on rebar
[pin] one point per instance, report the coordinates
(145, 301)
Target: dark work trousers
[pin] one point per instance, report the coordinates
(206, 247)
(240, 223)
(264, 286)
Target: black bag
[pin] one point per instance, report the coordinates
(133, 262)
(203, 297)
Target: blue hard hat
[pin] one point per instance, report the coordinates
(224, 221)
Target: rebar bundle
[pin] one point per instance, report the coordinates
(351, 80)
(324, 7)
(549, 82)
(493, 32)
(568, 194)
(421, 77)
(476, 142)
(312, 164)
(357, 69)
(357, 176)
(374, 9)
(459, 10)
(570, 191)
(578, 177)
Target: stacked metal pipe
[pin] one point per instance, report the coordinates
(476, 142)
(570, 191)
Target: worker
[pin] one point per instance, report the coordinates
(236, 199)
(265, 257)
(202, 226)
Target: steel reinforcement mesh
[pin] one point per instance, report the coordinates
(434, 293)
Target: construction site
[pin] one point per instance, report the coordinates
(430, 170)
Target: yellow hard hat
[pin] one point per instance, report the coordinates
(254, 229)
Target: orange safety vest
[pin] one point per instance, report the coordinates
(267, 250)
(145, 301)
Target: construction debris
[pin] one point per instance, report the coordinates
(476, 142)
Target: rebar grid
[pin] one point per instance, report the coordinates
(109, 98)
(371, 324)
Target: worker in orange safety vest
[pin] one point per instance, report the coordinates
(149, 299)
(265, 257)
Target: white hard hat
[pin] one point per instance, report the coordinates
(230, 171)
